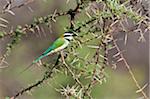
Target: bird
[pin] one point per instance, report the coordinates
(58, 45)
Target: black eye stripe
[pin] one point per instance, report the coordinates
(69, 32)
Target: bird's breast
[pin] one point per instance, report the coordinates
(61, 47)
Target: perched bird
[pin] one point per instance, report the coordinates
(58, 45)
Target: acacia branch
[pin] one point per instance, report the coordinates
(130, 70)
(47, 75)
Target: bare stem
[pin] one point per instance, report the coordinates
(130, 71)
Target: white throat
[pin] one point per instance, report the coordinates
(68, 38)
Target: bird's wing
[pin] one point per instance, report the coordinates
(59, 42)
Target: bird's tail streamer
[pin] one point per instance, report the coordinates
(26, 68)
(35, 61)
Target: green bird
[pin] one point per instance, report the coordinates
(58, 45)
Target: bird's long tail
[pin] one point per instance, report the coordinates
(35, 61)
(39, 58)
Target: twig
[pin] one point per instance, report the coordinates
(47, 75)
(8, 7)
(130, 70)
(73, 75)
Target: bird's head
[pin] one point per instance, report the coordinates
(68, 35)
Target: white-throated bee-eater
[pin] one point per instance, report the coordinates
(59, 44)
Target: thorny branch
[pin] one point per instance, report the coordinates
(130, 70)
(110, 32)
(8, 7)
(47, 75)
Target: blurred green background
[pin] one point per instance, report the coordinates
(119, 84)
